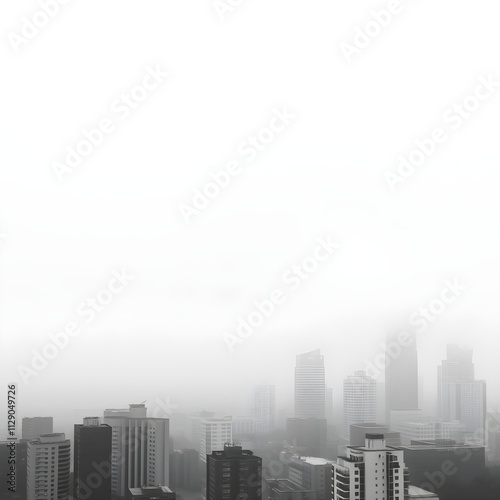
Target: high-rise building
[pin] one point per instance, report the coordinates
(34, 427)
(234, 474)
(310, 387)
(264, 408)
(374, 471)
(139, 449)
(215, 433)
(48, 463)
(401, 377)
(92, 460)
(360, 400)
(460, 396)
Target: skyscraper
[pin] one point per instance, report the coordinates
(48, 465)
(460, 396)
(34, 427)
(139, 449)
(234, 474)
(360, 400)
(92, 460)
(310, 387)
(373, 471)
(401, 377)
(264, 408)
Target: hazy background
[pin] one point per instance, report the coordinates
(322, 176)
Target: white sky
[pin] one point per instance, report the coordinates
(323, 175)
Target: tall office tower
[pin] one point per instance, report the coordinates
(460, 396)
(139, 449)
(34, 427)
(374, 471)
(92, 460)
(310, 387)
(234, 474)
(313, 474)
(360, 400)
(264, 408)
(48, 463)
(401, 375)
(215, 433)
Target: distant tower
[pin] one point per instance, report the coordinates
(460, 396)
(264, 408)
(310, 387)
(48, 465)
(401, 377)
(234, 474)
(140, 449)
(92, 455)
(34, 427)
(360, 400)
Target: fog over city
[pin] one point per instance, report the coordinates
(192, 194)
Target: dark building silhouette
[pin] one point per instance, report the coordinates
(92, 460)
(234, 474)
(307, 435)
(443, 466)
